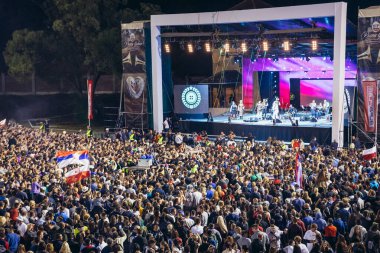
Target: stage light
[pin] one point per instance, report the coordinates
(265, 46)
(314, 45)
(190, 47)
(227, 47)
(167, 47)
(208, 47)
(244, 47)
(286, 45)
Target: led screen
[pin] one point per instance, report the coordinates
(190, 99)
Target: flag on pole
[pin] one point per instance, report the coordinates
(298, 171)
(65, 158)
(3, 123)
(77, 174)
(368, 154)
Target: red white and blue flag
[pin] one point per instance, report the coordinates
(65, 158)
(369, 154)
(298, 172)
(77, 174)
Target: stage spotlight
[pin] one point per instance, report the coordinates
(167, 47)
(190, 47)
(286, 45)
(314, 45)
(244, 47)
(265, 46)
(227, 47)
(208, 47)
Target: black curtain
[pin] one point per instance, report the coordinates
(295, 92)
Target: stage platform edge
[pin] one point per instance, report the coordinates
(260, 132)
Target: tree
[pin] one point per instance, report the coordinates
(81, 40)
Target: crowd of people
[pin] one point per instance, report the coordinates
(200, 195)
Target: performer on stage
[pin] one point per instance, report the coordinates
(233, 109)
(241, 109)
(259, 110)
(276, 109)
(326, 106)
(313, 108)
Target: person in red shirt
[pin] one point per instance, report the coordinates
(14, 213)
(330, 232)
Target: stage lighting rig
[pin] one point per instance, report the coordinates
(265, 46)
(314, 45)
(167, 47)
(208, 47)
(190, 47)
(286, 45)
(244, 47)
(227, 47)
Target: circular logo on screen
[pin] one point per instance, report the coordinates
(191, 97)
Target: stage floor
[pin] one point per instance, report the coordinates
(322, 122)
(262, 129)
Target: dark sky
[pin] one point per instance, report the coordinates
(20, 14)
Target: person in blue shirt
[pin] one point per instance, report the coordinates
(61, 214)
(320, 221)
(13, 240)
(210, 193)
(340, 225)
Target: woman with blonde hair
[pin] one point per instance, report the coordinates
(21, 249)
(50, 248)
(65, 248)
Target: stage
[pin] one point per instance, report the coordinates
(262, 129)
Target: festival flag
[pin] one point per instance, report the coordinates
(3, 123)
(368, 154)
(77, 174)
(298, 172)
(65, 158)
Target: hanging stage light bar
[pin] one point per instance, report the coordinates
(314, 45)
(227, 47)
(167, 48)
(265, 46)
(190, 47)
(244, 47)
(286, 45)
(208, 47)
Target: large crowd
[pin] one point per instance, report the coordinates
(201, 195)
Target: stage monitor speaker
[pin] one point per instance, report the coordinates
(278, 121)
(313, 119)
(253, 119)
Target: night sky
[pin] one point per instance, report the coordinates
(20, 14)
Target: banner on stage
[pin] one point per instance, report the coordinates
(134, 73)
(368, 67)
(90, 87)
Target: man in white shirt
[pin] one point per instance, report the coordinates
(311, 236)
(197, 228)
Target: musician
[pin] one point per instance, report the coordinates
(313, 108)
(276, 109)
(233, 109)
(326, 106)
(241, 109)
(259, 110)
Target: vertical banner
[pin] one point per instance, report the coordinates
(370, 105)
(90, 87)
(368, 68)
(134, 74)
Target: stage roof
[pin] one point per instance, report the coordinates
(299, 32)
